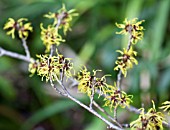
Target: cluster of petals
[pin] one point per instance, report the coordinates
(62, 18)
(152, 120)
(50, 67)
(50, 36)
(20, 26)
(126, 60)
(132, 27)
(90, 82)
(115, 97)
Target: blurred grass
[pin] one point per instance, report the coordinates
(7, 89)
(52, 109)
(94, 41)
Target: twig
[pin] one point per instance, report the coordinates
(129, 42)
(119, 76)
(61, 84)
(62, 76)
(13, 55)
(102, 110)
(26, 48)
(166, 124)
(60, 17)
(74, 83)
(133, 109)
(88, 108)
(126, 125)
(54, 86)
(115, 113)
(95, 113)
(92, 97)
(93, 91)
(52, 50)
(68, 95)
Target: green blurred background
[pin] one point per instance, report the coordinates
(28, 103)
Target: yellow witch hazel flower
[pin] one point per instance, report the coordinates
(50, 67)
(33, 65)
(130, 26)
(66, 65)
(62, 18)
(126, 61)
(165, 106)
(136, 36)
(152, 120)
(88, 82)
(115, 98)
(50, 36)
(133, 28)
(84, 78)
(19, 25)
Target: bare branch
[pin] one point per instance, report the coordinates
(115, 113)
(68, 95)
(93, 91)
(26, 48)
(95, 113)
(133, 109)
(54, 86)
(52, 49)
(166, 124)
(4, 52)
(130, 41)
(59, 18)
(119, 77)
(91, 98)
(61, 84)
(110, 117)
(126, 125)
(62, 76)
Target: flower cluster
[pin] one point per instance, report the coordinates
(19, 25)
(115, 97)
(126, 60)
(132, 27)
(88, 82)
(50, 36)
(152, 120)
(51, 67)
(135, 30)
(62, 18)
(165, 106)
(33, 65)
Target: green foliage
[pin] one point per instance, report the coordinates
(45, 113)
